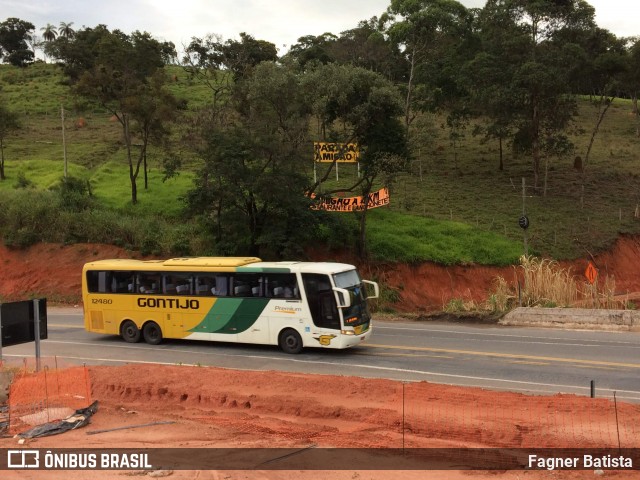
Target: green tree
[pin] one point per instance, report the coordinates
(240, 57)
(85, 48)
(217, 63)
(631, 79)
(357, 105)
(493, 97)
(251, 190)
(49, 33)
(119, 82)
(8, 123)
(77, 53)
(425, 29)
(368, 46)
(14, 37)
(601, 61)
(65, 30)
(540, 74)
(153, 109)
(203, 61)
(312, 48)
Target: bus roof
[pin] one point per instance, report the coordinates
(246, 264)
(187, 262)
(303, 267)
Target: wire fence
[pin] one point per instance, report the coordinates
(477, 420)
(399, 415)
(45, 393)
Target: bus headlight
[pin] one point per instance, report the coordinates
(347, 332)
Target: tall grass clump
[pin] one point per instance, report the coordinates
(502, 299)
(546, 283)
(602, 295)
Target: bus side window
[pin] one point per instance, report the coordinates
(176, 283)
(247, 285)
(221, 288)
(204, 284)
(122, 282)
(95, 280)
(281, 285)
(149, 282)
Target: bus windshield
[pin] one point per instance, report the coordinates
(357, 313)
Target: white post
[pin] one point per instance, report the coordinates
(64, 142)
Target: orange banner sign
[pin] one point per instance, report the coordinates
(353, 204)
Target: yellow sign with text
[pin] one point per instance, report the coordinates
(325, 152)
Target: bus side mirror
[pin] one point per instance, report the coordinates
(344, 298)
(376, 289)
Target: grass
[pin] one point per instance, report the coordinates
(112, 187)
(41, 174)
(399, 237)
(450, 207)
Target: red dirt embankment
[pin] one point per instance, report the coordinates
(206, 407)
(53, 271)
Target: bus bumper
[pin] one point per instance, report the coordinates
(347, 341)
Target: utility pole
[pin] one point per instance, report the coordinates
(64, 141)
(524, 215)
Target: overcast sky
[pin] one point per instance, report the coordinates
(279, 21)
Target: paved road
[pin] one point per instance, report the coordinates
(521, 359)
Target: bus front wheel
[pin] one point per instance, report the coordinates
(152, 333)
(290, 341)
(130, 332)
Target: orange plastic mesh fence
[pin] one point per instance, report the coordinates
(51, 393)
(558, 421)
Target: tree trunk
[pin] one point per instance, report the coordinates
(596, 128)
(535, 142)
(407, 106)
(362, 236)
(2, 177)
(132, 175)
(637, 113)
(146, 173)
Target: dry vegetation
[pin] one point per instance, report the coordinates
(545, 283)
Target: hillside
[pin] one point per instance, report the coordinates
(453, 206)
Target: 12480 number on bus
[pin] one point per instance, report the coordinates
(104, 301)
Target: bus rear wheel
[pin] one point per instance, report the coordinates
(290, 341)
(130, 332)
(152, 333)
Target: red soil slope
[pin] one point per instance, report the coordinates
(54, 271)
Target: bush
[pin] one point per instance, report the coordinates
(22, 182)
(75, 194)
(28, 218)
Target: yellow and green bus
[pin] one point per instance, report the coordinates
(229, 299)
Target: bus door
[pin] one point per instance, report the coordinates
(322, 303)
